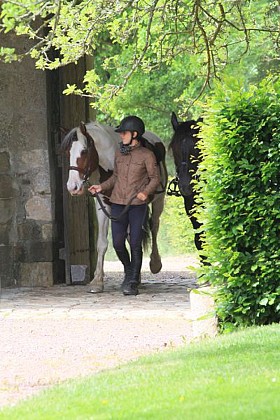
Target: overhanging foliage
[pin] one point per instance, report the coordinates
(125, 36)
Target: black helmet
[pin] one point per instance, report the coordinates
(131, 123)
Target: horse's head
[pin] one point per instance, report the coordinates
(185, 152)
(83, 158)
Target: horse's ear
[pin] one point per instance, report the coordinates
(83, 128)
(63, 130)
(174, 121)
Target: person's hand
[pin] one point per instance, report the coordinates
(95, 189)
(142, 196)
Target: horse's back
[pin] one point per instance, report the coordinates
(151, 137)
(156, 145)
(103, 130)
(106, 141)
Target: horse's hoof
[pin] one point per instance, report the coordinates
(95, 290)
(155, 268)
(130, 289)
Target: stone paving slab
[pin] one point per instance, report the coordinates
(165, 293)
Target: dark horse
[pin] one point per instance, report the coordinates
(186, 158)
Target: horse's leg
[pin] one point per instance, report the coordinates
(189, 207)
(157, 209)
(96, 285)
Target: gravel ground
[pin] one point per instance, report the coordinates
(50, 335)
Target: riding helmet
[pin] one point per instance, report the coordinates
(131, 123)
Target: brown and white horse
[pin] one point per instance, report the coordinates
(91, 149)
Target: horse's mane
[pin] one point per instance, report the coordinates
(68, 139)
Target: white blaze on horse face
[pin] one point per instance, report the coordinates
(75, 183)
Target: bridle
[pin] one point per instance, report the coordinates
(173, 186)
(87, 171)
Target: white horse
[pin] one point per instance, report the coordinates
(91, 149)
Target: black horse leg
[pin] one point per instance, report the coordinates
(189, 202)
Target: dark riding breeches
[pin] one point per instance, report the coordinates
(134, 219)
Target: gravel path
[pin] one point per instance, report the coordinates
(50, 335)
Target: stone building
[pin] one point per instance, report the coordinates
(32, 108)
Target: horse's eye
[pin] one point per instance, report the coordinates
(84, 152)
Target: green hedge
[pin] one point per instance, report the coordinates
(240, 180)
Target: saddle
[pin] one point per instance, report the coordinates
(158, 149)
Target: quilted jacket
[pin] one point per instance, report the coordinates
(134, 172)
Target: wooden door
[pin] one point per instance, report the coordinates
(77, 252)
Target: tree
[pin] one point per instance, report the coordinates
(136, 38)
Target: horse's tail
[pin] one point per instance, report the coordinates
(147, 227)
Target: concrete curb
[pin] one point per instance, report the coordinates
(204, 321)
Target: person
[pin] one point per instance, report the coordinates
(134, 179)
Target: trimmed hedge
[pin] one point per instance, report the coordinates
(240, 190)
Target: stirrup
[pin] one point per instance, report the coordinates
(173, 188)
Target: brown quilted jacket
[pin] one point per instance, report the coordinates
(133, 173)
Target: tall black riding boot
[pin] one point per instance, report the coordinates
(125, 260)
(136, 263)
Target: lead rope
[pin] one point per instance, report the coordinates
(103, 208)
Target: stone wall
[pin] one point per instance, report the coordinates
(27, 191)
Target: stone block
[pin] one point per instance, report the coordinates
(79, 273)
(30, 230)
(37, 274)
(7, 210)
(37, 251)
(4, 162)
(47, 231)
(39, 208)
(39, 173)
(7, 268)
(39, 157)
(4, 233)
(8, 188)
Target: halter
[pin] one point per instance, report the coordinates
(86, 172)
(173, 186)
(184, 154)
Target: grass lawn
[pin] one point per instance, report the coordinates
(230, 377)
